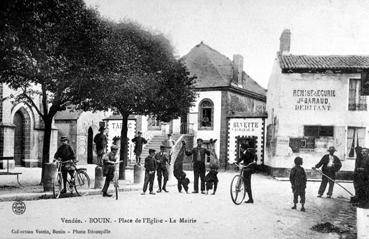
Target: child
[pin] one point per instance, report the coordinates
(150, 167)
(298, 182)
(211, 178)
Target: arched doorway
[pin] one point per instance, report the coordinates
(21, 121)
(90, 138)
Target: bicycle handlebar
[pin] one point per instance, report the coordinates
(243, 166)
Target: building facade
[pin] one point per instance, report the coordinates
(230, 106)
(314, 102)
(21, 131)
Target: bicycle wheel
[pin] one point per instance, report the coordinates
(57, 185)
(82, 183)
(238, 191)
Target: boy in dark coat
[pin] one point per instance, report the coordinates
(150, 167)
(139, 142)
(211, 178)
(298, 183)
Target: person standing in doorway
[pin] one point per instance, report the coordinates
(101, 142)
(330, 164)
(139, 141)
(198, 159)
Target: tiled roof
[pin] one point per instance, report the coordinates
(213, 69)
(331, 62)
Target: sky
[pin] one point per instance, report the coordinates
(251, 28)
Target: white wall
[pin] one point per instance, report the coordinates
(292, 112)
(216, 97)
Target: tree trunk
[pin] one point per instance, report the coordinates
(46, 146)
(123, 146)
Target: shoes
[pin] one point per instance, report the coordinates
(63, 191)
(159, 191)
(195, 192)
(187, 192)
(152, 193)
(294, 207)
(143, 193)
(213, 193)
(250, 201)
(107, 195)
(302, 209)
(319, 195)
(165, 190)
(329, 196)
(202, 192)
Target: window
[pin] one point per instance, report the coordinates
(356, 100)
(206, 114)
(318, 131)
(355, 137)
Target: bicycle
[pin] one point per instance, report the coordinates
(237, 189)
(80, 181)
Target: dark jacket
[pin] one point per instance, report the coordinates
(139, 142)
(65, 152)
(100, 141)
(298, 178)
(324, 162)
(161, 160)
(248, 157)
(194, 153)
(150, 163)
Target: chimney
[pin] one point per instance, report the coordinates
(237, 69)
(285, 42)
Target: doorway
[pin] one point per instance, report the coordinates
(251, 140)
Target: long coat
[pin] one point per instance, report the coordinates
(298, 179)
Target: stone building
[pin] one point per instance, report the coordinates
(80, 127)
(230, 106)
(21, 131)
(314, 102)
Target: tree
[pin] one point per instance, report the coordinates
(143, 78)
(47, 50)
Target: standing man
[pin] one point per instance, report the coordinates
(248, 156)
(162, 160)
(331, 165)
(198, 159)
(168, 143)
(139, 142)
(101, 142)
(362, 179)
(65, 153)
(150, 166)
(109, 160)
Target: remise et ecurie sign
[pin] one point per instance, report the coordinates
(314, 100)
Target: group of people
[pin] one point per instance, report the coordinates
(158, 162)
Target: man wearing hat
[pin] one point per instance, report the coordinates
(198, 159)
(162, 159)
(150, 167)
(331, 164)
(101, 143)
(139, 142)
(65, 153)
(109, 160)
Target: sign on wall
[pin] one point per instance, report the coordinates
(313, 99)
(114, 128)
(245, 128)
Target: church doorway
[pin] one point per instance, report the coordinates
(21, 121)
